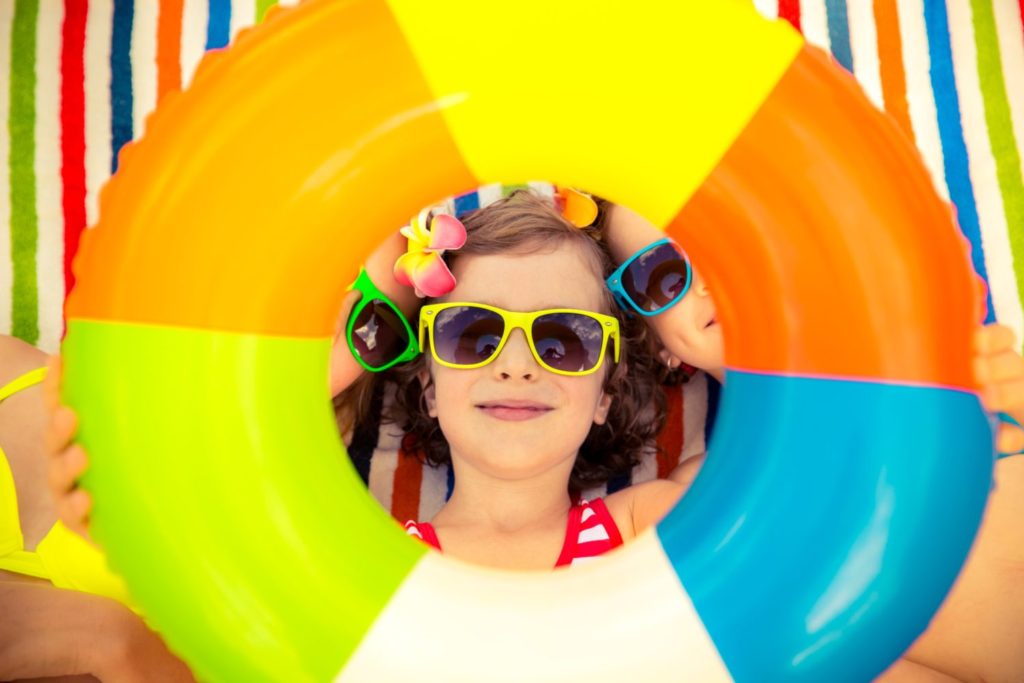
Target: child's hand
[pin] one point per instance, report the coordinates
(66, 460)
(999, 372)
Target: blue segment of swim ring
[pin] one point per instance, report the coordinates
(831, 517)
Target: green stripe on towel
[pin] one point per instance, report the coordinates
(21, 125)
(1000, 130)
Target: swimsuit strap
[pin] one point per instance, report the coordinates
(28, 379)
(13, 556)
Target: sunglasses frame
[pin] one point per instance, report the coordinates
(625, 301)
(370, 292)
(524, 321)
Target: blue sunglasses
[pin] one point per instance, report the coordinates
(653, 279)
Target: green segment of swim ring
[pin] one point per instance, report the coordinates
(269, 521)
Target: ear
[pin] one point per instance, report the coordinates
(429, 392)
(670, 361)
(604, 404)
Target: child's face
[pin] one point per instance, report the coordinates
(689, 330)
(512, 419)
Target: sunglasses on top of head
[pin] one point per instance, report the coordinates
(378, 334)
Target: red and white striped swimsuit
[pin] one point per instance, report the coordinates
(591, 531)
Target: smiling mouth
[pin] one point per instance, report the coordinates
(514, 411)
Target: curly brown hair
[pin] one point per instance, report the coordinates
(521, 224)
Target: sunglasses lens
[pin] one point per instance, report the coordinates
(569, 342)
(657, 278)
(466, 335)
(378, 335)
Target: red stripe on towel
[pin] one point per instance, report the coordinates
(890, 58)
(790, 11)
(670, 440)
(405, 496)
(72, 121)
(1020, 5)
(168, 47)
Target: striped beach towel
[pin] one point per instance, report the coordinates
(82, 75)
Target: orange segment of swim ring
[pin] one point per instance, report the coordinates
(810, 286)
(319, 161)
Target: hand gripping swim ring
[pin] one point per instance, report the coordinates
(847, 477)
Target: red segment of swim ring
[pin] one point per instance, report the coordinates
(811, 291)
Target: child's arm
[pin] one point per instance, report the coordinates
(64, 635)
(978, 632)
(906, 671)
(686, 471)
(642, 505)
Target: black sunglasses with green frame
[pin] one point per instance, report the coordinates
(377, 332)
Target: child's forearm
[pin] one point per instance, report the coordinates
(686, 471)
(48, 632)
(45, 632)
(906, 671)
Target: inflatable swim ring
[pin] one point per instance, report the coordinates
(851, 464)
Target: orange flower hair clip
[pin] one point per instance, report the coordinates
(576, 207)
(422, 266)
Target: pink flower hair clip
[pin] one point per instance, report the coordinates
(422, 266)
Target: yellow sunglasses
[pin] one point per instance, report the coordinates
(565, 341)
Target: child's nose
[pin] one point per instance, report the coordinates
(515, 360)
(699, 287)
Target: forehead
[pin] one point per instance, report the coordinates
(562, 277)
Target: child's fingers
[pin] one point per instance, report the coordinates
(73, 509)
(65, 469)
(999, 366)
(74, 462)
(1006, 396)
(1009, 438)
(992, 338)
(63, 425)
(51, 385)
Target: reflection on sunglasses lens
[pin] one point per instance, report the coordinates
(568, 341)
(378, 334)
(656, 278)
(466, 336)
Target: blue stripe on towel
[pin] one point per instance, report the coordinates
(620, 482)
(839, 32)
(449, 483)
(954, 149)
(466, 203)
(121, 96)
(365, 435)
(218, 27)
